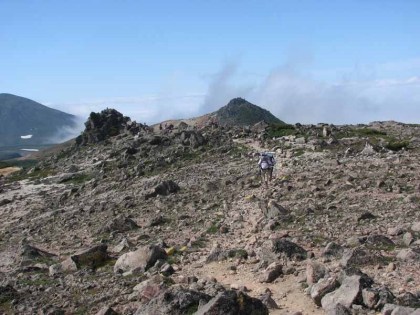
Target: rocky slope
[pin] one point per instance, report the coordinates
(153, 222)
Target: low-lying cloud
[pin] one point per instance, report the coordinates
(295, 96)
(291, 92)
(67, 132)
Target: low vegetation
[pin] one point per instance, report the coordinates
(25, 164)
(281, 130)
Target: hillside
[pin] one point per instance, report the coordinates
(240, 112)
(36, 123)
(151, 222)
(237, 113)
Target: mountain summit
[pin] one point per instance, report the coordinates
(240, 112)
(26, 122)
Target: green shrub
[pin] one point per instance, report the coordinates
(280, 130)
(396, 145)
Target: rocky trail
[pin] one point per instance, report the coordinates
(127, 220)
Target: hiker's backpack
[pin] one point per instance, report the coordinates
(267, 161)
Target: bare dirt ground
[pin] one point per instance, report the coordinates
(286, 291)
(8, 170)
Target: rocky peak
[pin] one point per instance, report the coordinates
(103, 125)
(240, 112)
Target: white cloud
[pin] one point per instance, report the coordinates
(290, 92)
(150, 109)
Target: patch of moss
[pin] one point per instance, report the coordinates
(42, 281)
(213, 229)
(78, 179)
(191, 309)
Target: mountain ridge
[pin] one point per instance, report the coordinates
(35, 122)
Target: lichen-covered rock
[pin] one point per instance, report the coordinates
(289, 249)
(357, 257)
(174, 301)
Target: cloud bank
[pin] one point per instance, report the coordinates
(291, 92)
(294, 95)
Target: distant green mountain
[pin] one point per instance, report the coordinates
(240, 112)
(26, 122)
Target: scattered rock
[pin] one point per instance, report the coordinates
(7, 293)
(164, 189)
(322, 287)
(273, 271)
(333, 250)
(339, 309)
(408, 254)
(379, 242)
(366, 216)
(174, 301)
(93, 257)
(272, 210)
(348, 293)
(415, 227)
(233, 303)
(392, 309)
(120, 224)
(314, 272)
(4, 202)
(106, 310)
(408, 239)
(288, 248)
(268, 301)
(394, 231)
(139, 260)
(358, 257)
(408, 299)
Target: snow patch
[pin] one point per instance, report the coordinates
(30, 150)
(26, 137)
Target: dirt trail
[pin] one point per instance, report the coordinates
(286, 291)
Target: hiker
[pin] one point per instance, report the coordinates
(266, 164)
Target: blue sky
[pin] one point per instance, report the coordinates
(306, 61)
